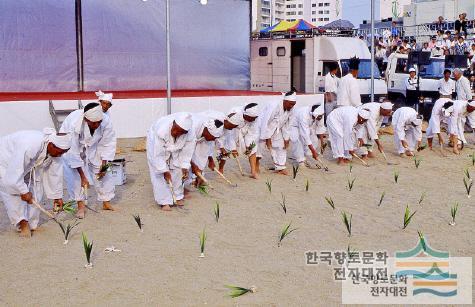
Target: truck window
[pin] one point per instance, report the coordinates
(326, 68)
(263, 51)
(401, 66)
(280, 51)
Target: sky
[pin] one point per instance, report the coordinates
(357, 10)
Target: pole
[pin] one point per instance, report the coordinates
(79, 46)
(169, 90)
(372, 51)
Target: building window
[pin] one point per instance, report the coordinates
(291, 13)
(263, 51)
(300, 13)
(300, 6)
(326, 19)
(320, 4)
(314, 19)
(320, 12)
(280, 51)
(327, 4)
(314, 12)
(314, 5)
(326, 12)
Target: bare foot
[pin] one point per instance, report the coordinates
(166, 208)
(81, 213)
(180, 203)
(24, 227)
(364, 157)
(254, 176)
(401, 155)
(370, 154)
(106, 205)
(221, 170)
(282, 172)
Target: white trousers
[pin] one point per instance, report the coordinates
(338, 148)
(105, 187)
(19, 210)
(278, 154)
(162, 192)
(411, 140)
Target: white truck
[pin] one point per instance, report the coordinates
(279, 64)
(429, 73)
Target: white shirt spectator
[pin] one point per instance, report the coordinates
(411, 84)
(348, 92)
(462, 87)
(446, 88)
(331, 83)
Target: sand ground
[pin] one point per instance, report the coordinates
(161, 265)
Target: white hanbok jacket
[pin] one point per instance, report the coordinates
(458, 119)
(372, 126)
(436, 118)
(304, 127)
(87, 149)
(163, 151)
(26, 167)
(343, 129)
(274, 123)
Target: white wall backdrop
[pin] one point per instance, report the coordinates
(131, 117)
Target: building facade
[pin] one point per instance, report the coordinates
(318, 12)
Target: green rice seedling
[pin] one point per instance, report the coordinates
(407, 217)
(203, 238)
(351, 168)
(417, 161)
(468, 186)
(330, 202)
(238, 291)
(421, 199)
(473, 158)
(283, 203)
(466, 172)
(67, 230)
(295, 170)
(104, 168)
(307, 185)
(422, 240)
(250, 148)
(68, 207)
(269, 185)
(453, 213)
(381, 199)
(203, 189)
(285, 232)
(396, 176)
(347, 221)
(216, 212)
(138, 220)
(87, 250)
(350, 183)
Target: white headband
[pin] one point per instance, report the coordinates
(236, 118)
(318, 111)
(184, 120)
(95, 114)
(291, 97)
(471, 103)
(364, 113)
(102, 96)
(252, 111)
(448, 111)
(387, 105)
(215, 131)
(60, 141)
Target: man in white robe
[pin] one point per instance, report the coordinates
(343, 128)
(463, 111)
(169, 150)
(30, 168)
(105, 100)
(93, 147)
(274, 131)
(207, 128)
(369, 133)
(407, 125)
(239, 140)
(306, 127)
(441, 112)
(348, 93)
